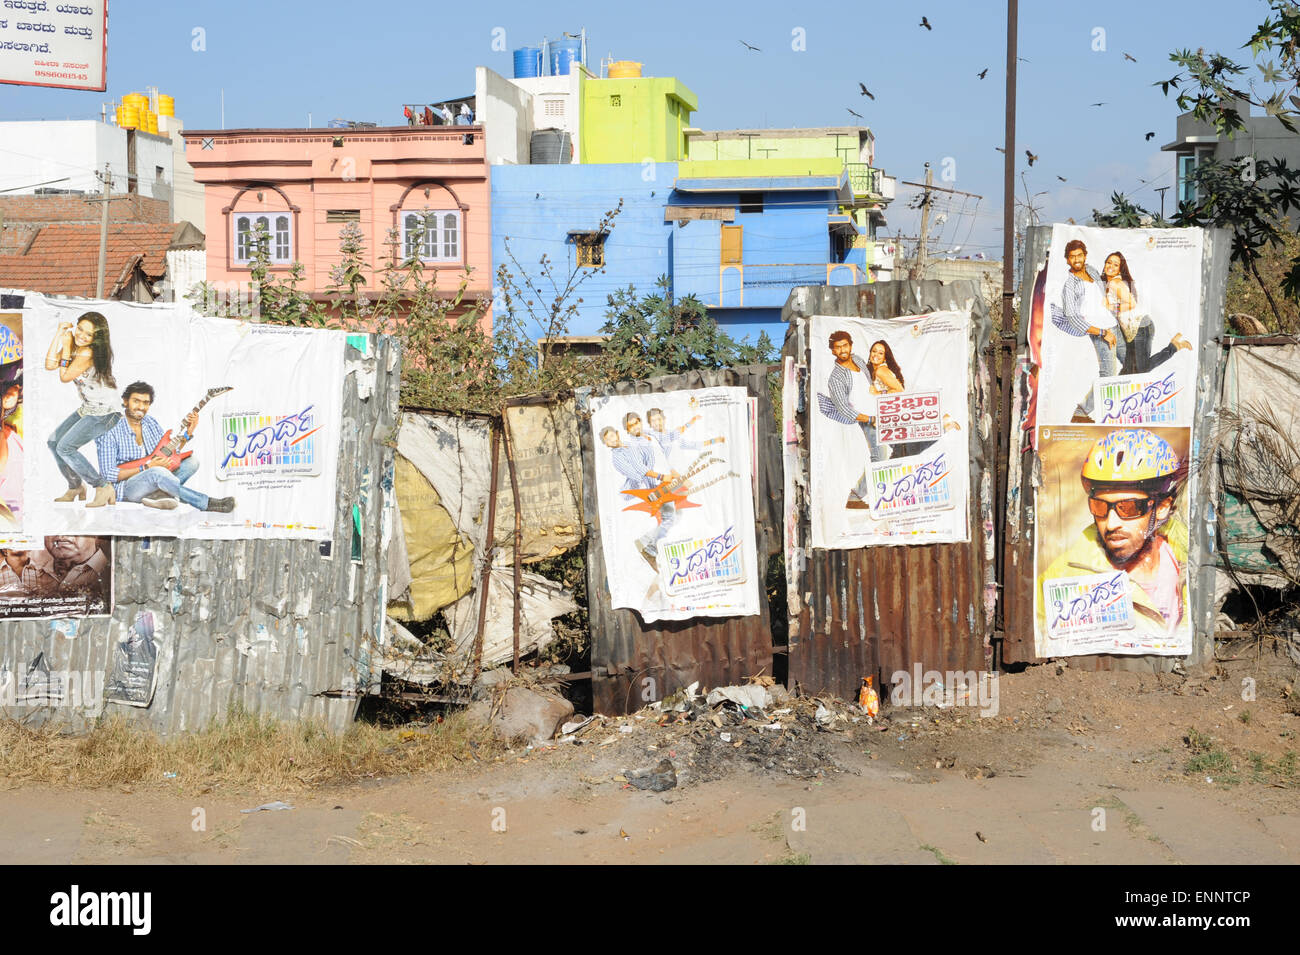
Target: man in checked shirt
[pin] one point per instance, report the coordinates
(1083, 312)
(152, 483)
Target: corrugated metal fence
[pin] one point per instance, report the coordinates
(878, 610)
(272, 626)
(715, 651)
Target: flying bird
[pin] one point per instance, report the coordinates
(858, 115)
(983, 73)
(1062, 178)
(1001, 150)
(1133, 58)
(1022, 59)
(1096, 104)
(925, 23)
(1150, 136)
(1032, 157)
(865, 92)
(750, 47)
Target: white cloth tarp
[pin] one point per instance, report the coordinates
(541, 601)
(676, 502)
(269, 406)
(890, 430)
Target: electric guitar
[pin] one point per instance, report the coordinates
(167, 447)
(652, 500)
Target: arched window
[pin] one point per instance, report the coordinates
(278, 230)
(433, 234)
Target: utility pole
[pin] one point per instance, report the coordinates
(1162, 190)
(1009, 171)
(104, 199)
(918, 270)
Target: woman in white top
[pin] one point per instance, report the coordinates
(83, 355)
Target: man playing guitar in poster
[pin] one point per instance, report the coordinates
(132, 457)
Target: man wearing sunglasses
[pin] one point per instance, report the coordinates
(1131, 477)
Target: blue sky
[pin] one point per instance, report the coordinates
(363, 60)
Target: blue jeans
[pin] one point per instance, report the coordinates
(876, 452)
(1108, 362)
(76, 432)
(136, 489)
(649, 541)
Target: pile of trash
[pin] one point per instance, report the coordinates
(694, 737)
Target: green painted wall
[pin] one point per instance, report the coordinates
(728, 168)
(775, 148)
(634, 119)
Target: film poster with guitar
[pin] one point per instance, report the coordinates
(675, 494)
(154, 421)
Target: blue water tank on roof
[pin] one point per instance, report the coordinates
(528, 62)
(564, 53)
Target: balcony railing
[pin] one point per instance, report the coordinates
(864, 179)
(734, 280)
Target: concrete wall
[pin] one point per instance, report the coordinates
(73, 151)
(187, 195)
(647, 122)
(557, 104)
(849, 144)
(534, 207)
(506, 113)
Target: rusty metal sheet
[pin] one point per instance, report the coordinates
(271, 626)
(878, 610)
(634, 663)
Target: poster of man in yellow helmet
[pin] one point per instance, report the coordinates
(1111, 557)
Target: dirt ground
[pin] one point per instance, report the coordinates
(1076, 767)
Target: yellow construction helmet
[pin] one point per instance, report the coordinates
(1132, 457)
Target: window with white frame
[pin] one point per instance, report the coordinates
(279, 236)
(432, 234)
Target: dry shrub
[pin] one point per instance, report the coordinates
(243, 751)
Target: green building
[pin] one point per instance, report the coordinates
(633, 119)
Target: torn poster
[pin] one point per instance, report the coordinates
(134, 673)
(69, 576)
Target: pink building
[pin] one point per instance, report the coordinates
(304, 185)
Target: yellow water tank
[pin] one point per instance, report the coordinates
(138, 100)
(624, 69)
(150, 124)
(128, 116)
(166, 105)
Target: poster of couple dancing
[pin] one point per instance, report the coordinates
(890, 427)
(674, 486)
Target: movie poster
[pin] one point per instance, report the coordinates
(63, 576)
(11, 423)
(1111, 550)
(1116, 401)
(890, 430)
(1121, 330)
(154, 421)
(133, 675)
(673, 485)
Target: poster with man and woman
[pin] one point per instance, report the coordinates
(890, 429)
(1117, 322)
(674, 487)
(150, 420)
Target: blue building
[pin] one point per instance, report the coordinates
(737, 236)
